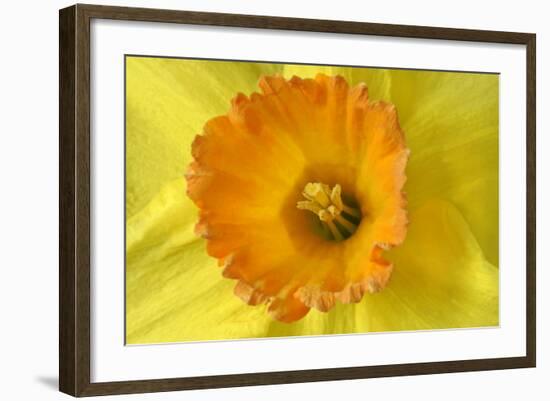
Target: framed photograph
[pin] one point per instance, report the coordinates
(250, 200)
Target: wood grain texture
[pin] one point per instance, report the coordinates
(301, 24)
(74, 199)
(67, 131)
(74, 206)
(301, 376)
(530, 229)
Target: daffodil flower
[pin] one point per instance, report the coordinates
(294, 200)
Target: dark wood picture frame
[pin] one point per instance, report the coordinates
(74, 199)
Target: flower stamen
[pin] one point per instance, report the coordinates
(328, 205)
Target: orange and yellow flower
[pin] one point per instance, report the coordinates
(316, 140)
(298, 202)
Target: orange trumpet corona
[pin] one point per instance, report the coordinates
(300, 193)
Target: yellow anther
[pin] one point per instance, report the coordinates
(327, 204)
(317, 192)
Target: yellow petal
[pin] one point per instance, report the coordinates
(451, 124)
(441, 278)
(167, 103)
(174, 289)
(339, 320)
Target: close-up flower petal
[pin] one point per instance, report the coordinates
(167, 103)
(171, 281)
(451, 120)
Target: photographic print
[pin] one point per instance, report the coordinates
(280, 200)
